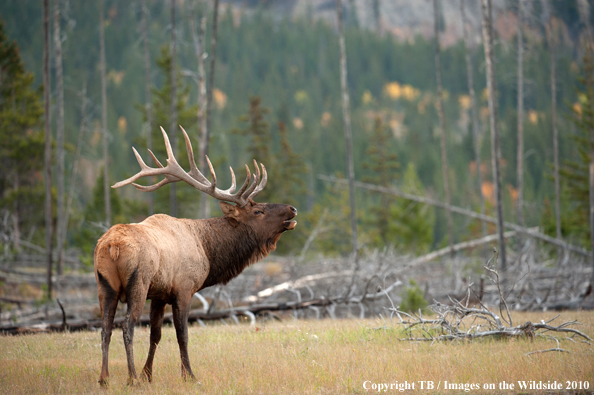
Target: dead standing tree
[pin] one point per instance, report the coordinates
(495, 151)
(106, 189)
(173, 108)
(206, 131)
(474, 113)
(520, 164)
(442, 127)
(61, 228)
(147, 88)
(347, 130)
(48, 149)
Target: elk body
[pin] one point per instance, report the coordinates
(167, 260)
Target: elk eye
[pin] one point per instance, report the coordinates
(258, 212)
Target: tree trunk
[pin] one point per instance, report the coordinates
(347, 130)
(75, 162)
(495, 151)
(551, 39)
(377, 16)
(16, 217)
(61, 234)
(475, 122)
(198, 39)
(444, 155)
(106, 190)
(48, 149)
(520, 165)
(147, 88)
(205, 207)
(584, 10)
(173, 109)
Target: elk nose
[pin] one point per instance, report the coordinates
(293, 210)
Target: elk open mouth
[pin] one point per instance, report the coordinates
(290, 225)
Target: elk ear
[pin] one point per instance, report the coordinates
(231, 213)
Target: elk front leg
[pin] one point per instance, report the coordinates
(181, 310)
(157, 312)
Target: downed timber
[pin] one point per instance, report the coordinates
(459, 210)
(198, 315)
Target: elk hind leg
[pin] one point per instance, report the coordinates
(108, 300)
(181, 310)
(135, 296)
(157, 312)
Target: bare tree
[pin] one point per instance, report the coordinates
(48, 149)
(61, 234)
(520, 165)
(205, 138)
(495, 151)
(377, 16)
(584, 10)
(551, 40)
(173, 109)
(106, 188)
(198, 39)
(75, 161)
(444, 155)
(475, 122)
(147, 87)
(347, 129)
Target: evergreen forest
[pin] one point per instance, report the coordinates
(276, 98)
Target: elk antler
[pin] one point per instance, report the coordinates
(173, 172)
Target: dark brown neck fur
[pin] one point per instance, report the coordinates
(230, 249)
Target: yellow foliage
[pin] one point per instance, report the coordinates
(533, 117)
(220, 98)
(395, 91)
(122, 124)
(577, 107)
(326, 118)
(116, 77)
(301, 96)
(367, 97)
(464, 102)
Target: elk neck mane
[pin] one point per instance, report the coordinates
(231, 249)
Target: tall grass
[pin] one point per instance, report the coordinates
(293, 357)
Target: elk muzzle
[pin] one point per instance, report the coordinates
(290, 225)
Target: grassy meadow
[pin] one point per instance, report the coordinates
(295, 357)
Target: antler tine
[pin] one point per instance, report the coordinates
(262, 182)
(246, 182)
(170, 156)
(154, 187)
(213, 174)
(194, 171)
(155, 158)
(139, 159)
(246, 195)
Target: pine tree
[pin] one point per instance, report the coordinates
(575, 173)
(289, 172)
(21, 140)
(383, 163)
(258, 130)
(186, 116)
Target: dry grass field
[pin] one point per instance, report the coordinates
(297, 357)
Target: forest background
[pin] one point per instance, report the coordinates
(277, 99)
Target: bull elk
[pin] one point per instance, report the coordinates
(167, 259)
